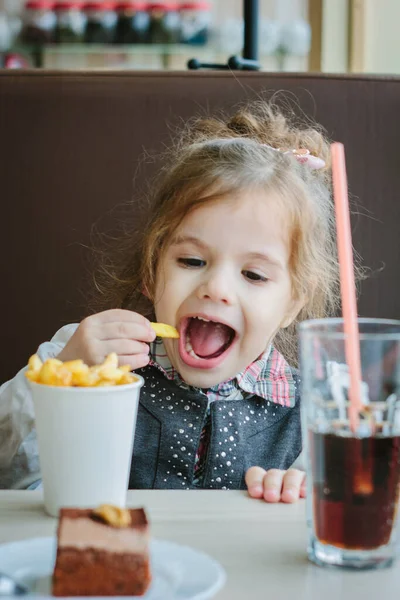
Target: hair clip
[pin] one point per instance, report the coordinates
(303, 156)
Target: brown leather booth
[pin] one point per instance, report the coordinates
(75, 145)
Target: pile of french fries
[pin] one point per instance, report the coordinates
(77, 373)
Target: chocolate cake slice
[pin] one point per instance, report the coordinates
(102, 552)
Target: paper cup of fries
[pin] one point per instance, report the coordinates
(85, 422)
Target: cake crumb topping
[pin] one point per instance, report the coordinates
(113, 515)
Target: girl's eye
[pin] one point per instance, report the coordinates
(251, 276)
(191, 262)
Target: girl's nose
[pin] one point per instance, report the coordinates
(217, 287)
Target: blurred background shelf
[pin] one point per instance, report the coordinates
(346, 36)
(95, 56)
(284, 37)
(142, 56)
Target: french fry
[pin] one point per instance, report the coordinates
(127, 378)
(79, 372)
(74, 365)
(91, 379)
(34, 363)
(110, 374)
(32, 375)
(81, 378)
(111, 361)
(165, 331)
(51, 373)
(109, 369)
(64, 376)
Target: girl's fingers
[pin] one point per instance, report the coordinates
(136, 361)
(276, 485)
(273, 485)
(123, 330)
(119, 315)
(292, 483)
(254, 480)
(119, 318)
(124, 348)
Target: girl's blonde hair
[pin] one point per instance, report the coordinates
(217, 157)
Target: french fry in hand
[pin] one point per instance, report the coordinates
(164, 331)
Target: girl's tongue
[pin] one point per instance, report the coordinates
(208, 338)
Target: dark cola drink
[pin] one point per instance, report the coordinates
(355, 489)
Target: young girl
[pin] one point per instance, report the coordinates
(239, 248)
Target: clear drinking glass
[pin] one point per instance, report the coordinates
(352, 476)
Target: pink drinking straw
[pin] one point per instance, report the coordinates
(347, 284)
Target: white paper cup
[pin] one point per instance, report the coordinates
(85, 438)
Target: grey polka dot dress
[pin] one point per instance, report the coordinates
(243, 433)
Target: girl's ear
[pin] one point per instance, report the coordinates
(145, 292)
(293, 312)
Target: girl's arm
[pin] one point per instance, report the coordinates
(19, 461)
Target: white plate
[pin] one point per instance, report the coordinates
(179, 572)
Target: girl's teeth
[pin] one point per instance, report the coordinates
(202, 319)
(189, 349)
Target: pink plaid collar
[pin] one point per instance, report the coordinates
(269, 377)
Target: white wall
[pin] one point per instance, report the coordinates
(334, 49)
(375, 37)
(382, 36)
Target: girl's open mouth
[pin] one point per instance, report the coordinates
(204, 343)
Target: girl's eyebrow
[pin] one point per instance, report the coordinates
(187, 239)
(266, 258)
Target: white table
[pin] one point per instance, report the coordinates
(262, 547)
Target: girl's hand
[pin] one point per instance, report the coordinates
(122, 331)
(275, 485)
